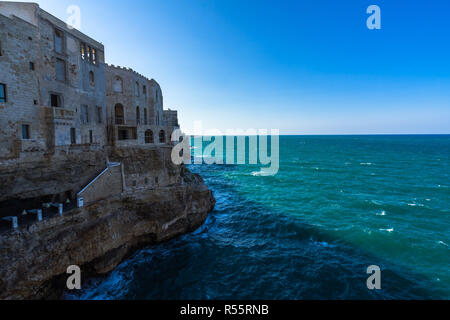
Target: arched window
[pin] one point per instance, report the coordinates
(138, 115)
(118, 84)
(137, 89)
(145, 116)
(118, 113)
(91, 78)
(162, 136)
(144, 91)
(149, 136)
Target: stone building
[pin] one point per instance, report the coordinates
(52, 80)
(135, 109)
(57, 95)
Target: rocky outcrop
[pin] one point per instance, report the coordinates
(97, 237)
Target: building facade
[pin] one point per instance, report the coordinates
(58, 95)
(135, 109)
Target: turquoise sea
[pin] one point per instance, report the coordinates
(337, 205)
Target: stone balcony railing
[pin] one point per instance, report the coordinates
(56, 113)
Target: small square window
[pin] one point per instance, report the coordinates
(25, 132)
(2, 92)
(55, 100)
(32, 66)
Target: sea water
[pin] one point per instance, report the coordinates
(337, 205)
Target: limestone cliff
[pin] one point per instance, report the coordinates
(97, 237)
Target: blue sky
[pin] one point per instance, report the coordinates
(304, 67)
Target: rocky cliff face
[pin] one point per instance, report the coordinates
(34, 259)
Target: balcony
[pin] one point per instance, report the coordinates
(56, 113)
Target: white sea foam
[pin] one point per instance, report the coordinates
(443, 243)
(415, 204)
(260, 174)
(366, 163)
(388, 230)
(382, 213)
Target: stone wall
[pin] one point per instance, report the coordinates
(171, 118)
(19, 44)
(51, 175)
(108, 184)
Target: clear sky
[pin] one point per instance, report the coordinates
(304, 67)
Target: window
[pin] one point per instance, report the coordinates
(123, 134)
(156, 95)
(84, 114)
(91, 78)
(94, 56)
(99, 115)
(83, 51)
(138, 116)
(118, 110)
(149, 136)
(91, 137)
(144, 91)
(118, 84)
(55, 100)
(2, 92)
(25, 131)
(1, 52)
(145, 116)
(88, 53)
(136, 90)
(60, 70)
(32, 66)
(59, 41)
(127, 133)
(73, 136)
(162, 136)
